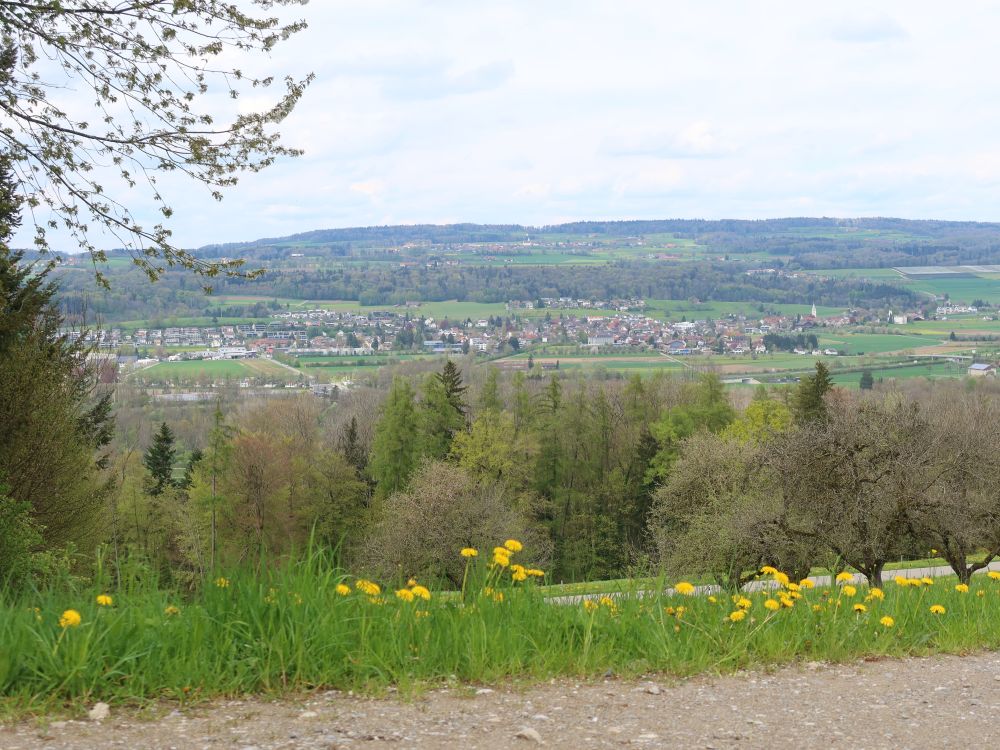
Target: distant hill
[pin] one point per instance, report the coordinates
(464, 233)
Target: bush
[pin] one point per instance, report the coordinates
(420, 531)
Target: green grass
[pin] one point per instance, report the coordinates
(215, 370)
(290, 630)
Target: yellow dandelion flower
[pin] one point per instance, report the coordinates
(816, 608)
(342, 589)
(780, 577)
(849, 590)
(412, 582)
(876, 593)
(772, 604)
(915, 582)
(794, 595)
(405, 594)
(927, 581)
(422, 592)
(70, 619)
(222, 582)
(590, 605)
(937, 609)
(498, 596)
(860, 608)
(994, 574)
(768, 570)
(787, 601)
(792, 586)
(844, 576)
(367, 587)
(962, 588)
(980, 593)
(171, 611)
(737, 615)
(104, 600)
(469, 552)
(712, 600)
(535, 573)
(606, 601)
(513, 545)
(515, 568)
(887, 622)
(807, 583)
(901, 581)
(742, 602)
(519, 575)
(684, 588)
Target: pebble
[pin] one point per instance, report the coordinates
(99, 712)
(527, 733)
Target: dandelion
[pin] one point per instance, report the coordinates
(876, 593)
(807, 583)
(901, 581)
(962, 588)
(980, 593)
(535, 573)
(222, 582)
(513, 545)
(937, 609)
(844, 576)
(342, 589)
(768, 570)
(104, 600)
(171, 611)
(412, 582)
(772, 604)
(469, 552)
(934, 552)
(887, 622)
(994, 574)
(590, 605)
(780, 577)
(501, 556)
(849, 590)
(787, 601)
(860, 608)
(927, 581)
(422, 592)
(792, 586)
(712, 600)
(519, 575)
(405, 594)
(737, 614)
(606, 601)
(367, 587)
(684, 588)
(70, 619)
(742, 602)
(817, 608)
(915, 582)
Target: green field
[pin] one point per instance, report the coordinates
(875, 343)
(942, 369)
(216, 370)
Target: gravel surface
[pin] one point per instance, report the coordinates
(935, 702)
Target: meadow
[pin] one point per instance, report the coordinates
(310, 625)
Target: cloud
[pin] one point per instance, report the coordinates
(439, 81)
(868, 30)
(696, 140)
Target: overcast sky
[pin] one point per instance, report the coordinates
(541, 112)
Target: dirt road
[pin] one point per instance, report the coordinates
(937, 702)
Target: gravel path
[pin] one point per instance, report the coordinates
(935, 702)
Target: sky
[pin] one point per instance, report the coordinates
(545, 111)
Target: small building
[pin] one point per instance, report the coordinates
(981, 370)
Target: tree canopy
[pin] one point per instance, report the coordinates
(153, 73)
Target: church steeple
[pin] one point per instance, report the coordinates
(814, 310)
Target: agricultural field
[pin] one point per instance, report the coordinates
(959, 288)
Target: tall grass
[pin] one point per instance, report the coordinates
(290, 629)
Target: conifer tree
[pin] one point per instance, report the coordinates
(159, 460)
(450, 378)
(394, 449)
(808, 404)
(867, 381)
(350, 446)
(489, 399)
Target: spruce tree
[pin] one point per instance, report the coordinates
(159, 460)
(450, 378)
(394, 449)
(53, 426)
(489, 399)
(808, 404)
(350, 445)
(867, 381)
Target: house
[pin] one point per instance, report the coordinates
(981, 370)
